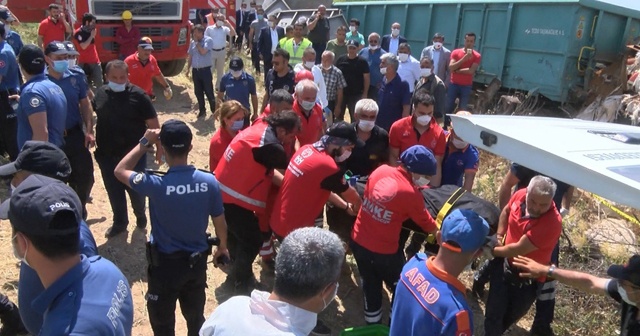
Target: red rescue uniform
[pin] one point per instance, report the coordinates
(249, 191)
(389, 199)
(219, 142)
(310, 178)
(311, 125)
(51, 31)
(403, 135)
(142, 74)
(543, 232)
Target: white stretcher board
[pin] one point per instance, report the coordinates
(581, 153)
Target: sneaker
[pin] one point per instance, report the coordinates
(541, 331)
(114, 231)
(321, 329)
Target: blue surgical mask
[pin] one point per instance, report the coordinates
(237, 125)
(60, 66)
(117, 87)
(260, 17)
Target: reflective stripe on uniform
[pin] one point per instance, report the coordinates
(241, 197)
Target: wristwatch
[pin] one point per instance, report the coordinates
(145, 142)
(550, 271)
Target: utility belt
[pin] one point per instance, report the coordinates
(512, 275)
(208, 68)
(155, 258)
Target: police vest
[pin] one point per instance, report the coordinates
(311, 125)
(295, 55)
(242, 180)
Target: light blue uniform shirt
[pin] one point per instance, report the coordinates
(198, 60)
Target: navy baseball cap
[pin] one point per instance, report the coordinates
(37, 200)
(71, 49)
(464, 231)
(5, 14)
(236, 64)
(353, 43)
(418, 159)
(145, 43)
(175, 134)
(31, 57)
(56, 48)
(343, 134)
(629, 271)
(42, 158)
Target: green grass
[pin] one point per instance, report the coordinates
(28, 32)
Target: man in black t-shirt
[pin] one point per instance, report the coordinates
(281, 76)
(355, 70)
(319, 29)
(124, 112)
(624, 287)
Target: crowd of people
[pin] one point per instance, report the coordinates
(276, 172)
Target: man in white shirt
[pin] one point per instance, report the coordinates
(409, 69)
(307, 270)
(218, 32)
(308, 63)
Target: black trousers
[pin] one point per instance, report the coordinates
(117, 192)
(340, 222)
(8, 126)
(81, 179)
(319, 47)
(255, 58)
(376, 269)
(348, 101)
(508, 300)
(244, 241)
(174, 279)
(373, 93)
(266, 60)
(203, 85)
(9, 317)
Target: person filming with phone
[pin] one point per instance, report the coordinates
(462, 66)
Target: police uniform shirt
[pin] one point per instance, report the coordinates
(366, 159)
(15, 41)
(30, 286)
(183, 187)
(8, 68)
(458, 161)
(39, 95)
(274, 82)
(92, 298)
(74, 90)
(238, 89)
(121, 119)
(629, 324)
(427, 298)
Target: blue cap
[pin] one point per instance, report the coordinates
(465, 229)
(418, 159)
(175, 134)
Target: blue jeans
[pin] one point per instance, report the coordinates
(457, 91)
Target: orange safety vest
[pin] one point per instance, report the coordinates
(242, 180)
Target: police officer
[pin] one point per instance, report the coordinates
(39, 157)
(9, 83)
(12, 37)
(178, 245)
(239, 85)
(78, 134)
(42, 111)
(255, 152)
(45, 215)
(72, 58)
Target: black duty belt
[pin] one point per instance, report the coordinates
(202, 68)
(221, 49)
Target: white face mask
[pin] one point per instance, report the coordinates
(459, 144)
(395, 32)
(423, 120)
(624, 295)
(272, 24)
(12, 189)
(15, 251)
(425, 72)
(236, 74)
(403, 57)
(353, 29)
(309, 64)
(218, 23)
(307, 105)
(375, 47)
(345, 155)
(437, 45)
(383, 71)
(333, 297)
(72, 62)
(366, 125)
(421, 181)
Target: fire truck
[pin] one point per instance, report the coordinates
(165, 21)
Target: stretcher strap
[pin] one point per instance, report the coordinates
(448, 205)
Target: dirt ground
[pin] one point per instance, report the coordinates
(127, 251)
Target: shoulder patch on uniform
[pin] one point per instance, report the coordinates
(138, 178)
(2, 64)
(34, 102)
(463, 324)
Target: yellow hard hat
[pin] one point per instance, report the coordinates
(126, 15)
